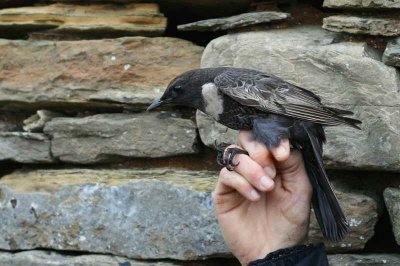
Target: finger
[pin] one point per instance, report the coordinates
(282, 152)
(252, 172)
(258, 152)
(229, 181)
(294, 175)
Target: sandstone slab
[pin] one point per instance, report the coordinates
(385, 26)
(364, 259)
(86, 20)
(346, 148)
(341, 73)
(108, 137)
(391, 55)
(50, 258)
(234, 22)
(111, 73)
(200, 8)
(392, 201)
(134, 213)
(25, 147)
(361, 4)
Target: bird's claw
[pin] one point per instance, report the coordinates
(226, 155)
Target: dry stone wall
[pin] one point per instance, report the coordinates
(74, 84)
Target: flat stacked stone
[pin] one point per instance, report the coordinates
(86, 20)
(146, 214)
(346, 75)
(97, 74)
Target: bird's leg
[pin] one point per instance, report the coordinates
(225, 155)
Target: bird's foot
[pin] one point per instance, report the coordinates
(225, 155)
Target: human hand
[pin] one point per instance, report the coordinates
(257, 219)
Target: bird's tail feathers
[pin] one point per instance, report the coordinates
(328, 212)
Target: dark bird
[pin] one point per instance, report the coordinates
(273, 109)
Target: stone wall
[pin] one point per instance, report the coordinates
(88, 178)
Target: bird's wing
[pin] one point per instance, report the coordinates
(272, 94)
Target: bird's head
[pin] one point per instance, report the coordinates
(184, 90)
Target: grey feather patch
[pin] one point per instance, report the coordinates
(213, 100)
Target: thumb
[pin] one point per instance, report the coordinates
(290, 166)
(289, 162)
(282, 152)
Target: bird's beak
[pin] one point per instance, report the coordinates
(155, 104)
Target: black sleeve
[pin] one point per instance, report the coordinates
(306, 255)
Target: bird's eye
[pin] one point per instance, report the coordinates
(177, 88)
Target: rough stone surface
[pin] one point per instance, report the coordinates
(237, 21)
(361, 212)
(25, 147)
(6, 126)
(46, 258)
(138, 214)
(86, 20)
(107, 211)
(200, 8)
(341, 73)
(105, 137)
(364, 260)
(391, 56)
(392, 201)
(384, 26)
(99, 73)
(37, 121)
(353, 4)
(345, 75)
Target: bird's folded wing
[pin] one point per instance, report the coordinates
(272, 94)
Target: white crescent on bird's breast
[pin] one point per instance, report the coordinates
(213, 100)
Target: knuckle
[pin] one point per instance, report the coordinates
(259, 155)
(256, 173)
(218, 200)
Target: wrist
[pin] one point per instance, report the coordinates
(265, 250)
(258, 254)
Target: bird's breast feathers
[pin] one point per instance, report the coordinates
(213, 100)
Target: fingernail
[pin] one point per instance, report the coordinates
(269, 171)
(254, 195)
(266, 182)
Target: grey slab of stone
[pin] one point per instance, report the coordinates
(108, 137)
(25, 147)
(385, 26)
(134, 213)
(361, 4)
(341, 73)
(7, 126)
(364, 260)
(345, 75)
(234, 22)
(51, 258)
(137, 214)
(392, 201)
(97, 74)
(391, 55)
